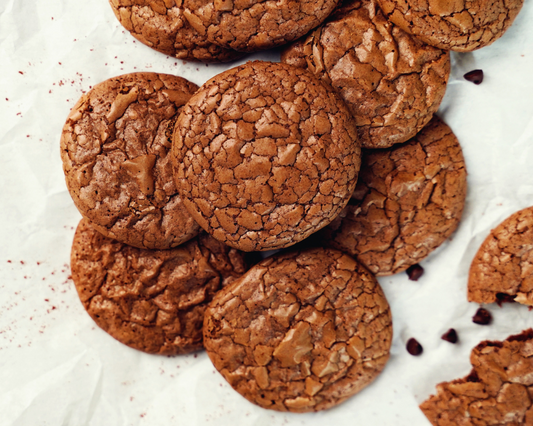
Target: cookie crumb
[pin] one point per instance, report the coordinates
(482, 317)
(450, 336)
(413, 347)
(414, 272)
(475, 76)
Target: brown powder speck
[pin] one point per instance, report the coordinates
(46, 300)
(20, 72)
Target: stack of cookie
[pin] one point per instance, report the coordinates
(176, 183)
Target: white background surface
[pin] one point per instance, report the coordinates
(58, 368)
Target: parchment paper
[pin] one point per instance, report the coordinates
(58, 368)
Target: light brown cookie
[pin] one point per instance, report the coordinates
(162, 26)
(114, 149)
(265, 156)
(408, 200)
(460, 25)
(392, 82)
(151, 300)
(255, 24)
(497, 392)
(502, 269)
(300, 332)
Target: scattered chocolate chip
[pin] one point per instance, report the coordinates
(502, 298)
(414, 272)
(475, 76)
(450, 336)
(482, 317)
(413, 347)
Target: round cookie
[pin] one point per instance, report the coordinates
(255, 24)
(408, 200)
(151, 300)
(503, 266)
(114, 149)
(300, 332)
(460, 25)
(392, 82)
(163, 26)
(265, 156)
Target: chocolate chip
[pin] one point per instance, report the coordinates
(502, 298)
(450, 336)
(482, 317)
(413, 347)
(475, 76)
(414, 272)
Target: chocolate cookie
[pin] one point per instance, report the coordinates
(114, 149)
(151, 300)
(408, 200)
(460, 25)
(265, 156)
(255, 24)
(392, 82)
(300, 332)
(163, 26)
(503, 265)
(498, 391)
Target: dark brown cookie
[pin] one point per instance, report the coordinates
(408, 200)
(503, 264)
(151, 300)
(114, 149)
(460, 25)
(255, 24)
(497, 392)
(392, 82)
(300, 332)
(162, 26)
(266, 155)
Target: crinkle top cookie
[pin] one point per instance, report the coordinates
(301, 331)
(460, 25)
(265, 156)
(114, 149)
(392, 82)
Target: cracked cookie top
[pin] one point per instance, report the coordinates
(392, 82)
(254, 25)
(460, 25)
(498, 391)
(408, 200)
(503, 265)
(162, 25)
(114, 149)
(300, 332)
(265, 156)
(151, 300)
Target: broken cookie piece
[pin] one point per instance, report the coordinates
(497, 392)
(502, 269)
(302, 331)
(114, 149)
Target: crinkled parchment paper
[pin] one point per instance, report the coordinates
(58, 368)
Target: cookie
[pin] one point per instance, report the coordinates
(457, 25)
(151, 300)
(392, 82)
(114, 149)
(408, 200)
(162, 26)
(498, 391)
(255, 24)
(265, 156)
(502, 269)
(300, 332)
